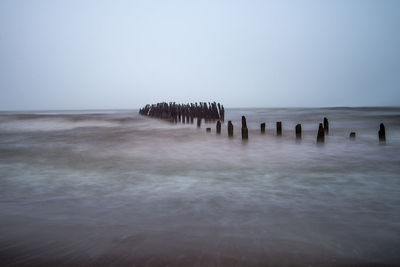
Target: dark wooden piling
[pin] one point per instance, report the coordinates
(298, 131)
(208, 130)
(352, 136)
(218, 130)
(326, 126)
(278, 128)
(321, 134)
(222, 114)
(382, 133)
(220, 111)
(262, 125)
(245, 131)
(198, 122)
(244, 124)
(230, 129)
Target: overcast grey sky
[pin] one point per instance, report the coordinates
(124, 54)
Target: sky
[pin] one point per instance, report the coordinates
(124, 54)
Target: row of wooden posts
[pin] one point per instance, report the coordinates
(212, 112)
(323, 130)
(173, 112)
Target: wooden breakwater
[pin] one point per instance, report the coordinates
(185, 113)
(212, 112)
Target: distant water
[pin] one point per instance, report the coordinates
(117, 189)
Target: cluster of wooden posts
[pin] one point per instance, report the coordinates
(173, 112)
(212, 112)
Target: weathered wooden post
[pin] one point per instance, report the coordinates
(208, 130)
(262, 127)
(218, 127)
(191, 108)
(321, 134)
(352, 136)
(198, 122)
(278, 128)
(298, 131)
(382, 133)
(326, 126)
(187, 115)
(245, 131)
(230, 129)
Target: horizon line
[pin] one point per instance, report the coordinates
(244, 107)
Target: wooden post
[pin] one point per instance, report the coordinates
(198, 122)
(352, 136)
(321, 134)
(382, 133)
(218, 127)
(245, 131)
(298, 131)
(230, 129)
(208, 130)
(278, 128)
(326, 126)
(262, 127)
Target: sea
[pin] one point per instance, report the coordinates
(114, 188)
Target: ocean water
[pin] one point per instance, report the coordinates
(113, 188)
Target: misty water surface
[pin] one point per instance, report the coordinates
(116, 188)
